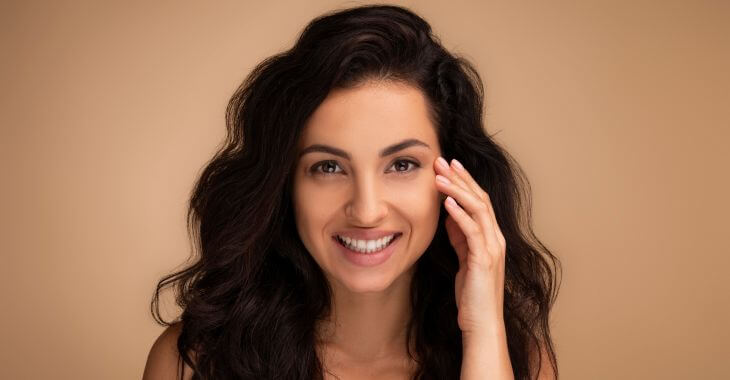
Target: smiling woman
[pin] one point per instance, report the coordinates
(380, 189)
(335, 241)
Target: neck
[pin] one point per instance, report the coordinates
(368, 327)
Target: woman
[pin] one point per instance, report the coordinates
(332, 241)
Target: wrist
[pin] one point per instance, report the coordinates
(494, 332)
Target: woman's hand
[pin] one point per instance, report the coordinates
(480, 246)
(473, 232)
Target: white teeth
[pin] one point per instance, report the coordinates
(366, 246)
(371, 246)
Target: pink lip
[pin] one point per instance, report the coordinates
(367, 259)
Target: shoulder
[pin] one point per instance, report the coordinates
(163, 361)
(541, 355)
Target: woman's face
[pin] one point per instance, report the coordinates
(365, 172)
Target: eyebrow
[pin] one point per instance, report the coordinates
(383, 153)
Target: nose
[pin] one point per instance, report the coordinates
(367, 206)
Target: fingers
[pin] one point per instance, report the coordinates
(456, 237)
(466, 178)
(475, 206)
(460, 185)
(470, 229)
(463, 174)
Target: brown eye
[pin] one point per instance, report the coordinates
(328, 168)
(404, 164)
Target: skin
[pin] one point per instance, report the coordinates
(365, 335)
(480, 246)
(364, 338)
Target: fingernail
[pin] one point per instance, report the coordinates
(457, 164)
(442, 162)
(450, 201)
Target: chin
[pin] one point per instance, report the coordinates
(372, 281)
(365, 282)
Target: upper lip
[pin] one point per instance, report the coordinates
(366, 234)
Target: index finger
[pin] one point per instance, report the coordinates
(473, 185)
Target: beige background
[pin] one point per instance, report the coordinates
(617, 110)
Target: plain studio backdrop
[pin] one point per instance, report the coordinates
(618, 111)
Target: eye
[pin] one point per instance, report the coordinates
(328, 167)
(329, 164)
(404, 164)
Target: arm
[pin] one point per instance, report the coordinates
(486, 357)
(163, 360)
(480, 247)
(479, 354)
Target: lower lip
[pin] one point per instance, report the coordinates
(368, 259)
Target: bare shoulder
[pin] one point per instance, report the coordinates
(163, 361)
(546, 371)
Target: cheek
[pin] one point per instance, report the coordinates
(421, 205)
(312, 212)
(421, 197)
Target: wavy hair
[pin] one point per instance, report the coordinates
(252, 295)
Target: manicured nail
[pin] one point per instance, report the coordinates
(457, 164)
(450, 201)
(442, 179)
(442, 162)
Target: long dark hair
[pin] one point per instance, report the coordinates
(252, 296)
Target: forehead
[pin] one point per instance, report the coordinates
(377, 111)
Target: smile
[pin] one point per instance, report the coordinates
(367, 246)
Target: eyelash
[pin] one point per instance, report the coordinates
(316, 166)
